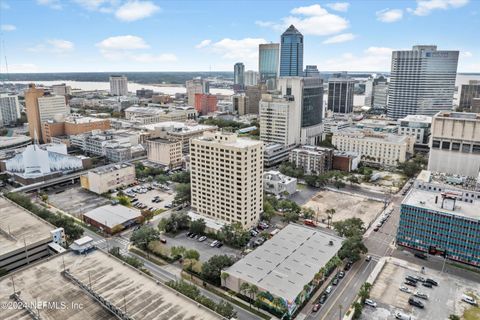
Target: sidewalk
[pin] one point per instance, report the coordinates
(313, 300)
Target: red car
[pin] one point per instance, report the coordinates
(316, 307)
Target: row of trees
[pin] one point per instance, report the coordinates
(223, 308)
(72, 230)
(364, 294)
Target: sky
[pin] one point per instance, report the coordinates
(148, 35)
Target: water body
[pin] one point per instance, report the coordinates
(132, 86)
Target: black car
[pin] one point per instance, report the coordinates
(411, 283)
(322, 299)
(415, 302)
(431, 281)
(420, 255)
(219, 244)
(427, 284)
(335, 281)
(189, 234)
(193, 235)
(411, 279)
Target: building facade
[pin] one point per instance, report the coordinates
(9, 109)
(240, 103)
(340, 93)
(118, 85)
(239, 75)
(251, 78)
(279, 120)
(311, 71)
(73, 126)
(417, 126)
(291, 53)
(268, 58)
(455, 143)
(383, 149)
(165, 152)
(61, 89)
(441, 220)
(469, 92)
(376, 92)
(205, 103)
(103, 179)
(313, 160)
(422, 81)
(227, 178)
(194, 86)
(279, 184)
(253, 94)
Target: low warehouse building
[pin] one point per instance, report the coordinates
(112, 218)
(285, 266)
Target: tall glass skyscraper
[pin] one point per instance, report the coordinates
(239, 74)
(291, 53)
(268, 56)
(422, 81)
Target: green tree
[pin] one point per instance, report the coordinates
(234, 235)
(224, 276)
(308, 213)
(177, 252)
(244, 287)
(198, 226)
(176, 222)
(352, 248)
(330, 213)
(349, 227)
(453, 317)
(353, 179)
(182, 193)
(181, 177)
(212, 268)
(339, 184)
(147, 215)
(268, 211)
(364, 292)
(191, 254)
(124, 201)
(357, 310)
(290, 216)
(143, 236)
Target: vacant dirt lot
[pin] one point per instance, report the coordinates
(345, 205)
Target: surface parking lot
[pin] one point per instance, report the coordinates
(443, 300)
(75, 200)
(167, 197)
(206, 252)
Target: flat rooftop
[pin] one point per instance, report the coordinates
(111, 168)
(284, 264)
(426, 199)
(371, 135)
(458, 115)
(179, 127)
(21, 225)
(109, 277)
(111, 216)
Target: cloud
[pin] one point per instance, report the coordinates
(203, 44)
(339, 6)
(425, 7)
(127, 47)
(310, 20)
(8, 27)
(371, 59)
(344, 37)
(57, 46)
(105, 6)
(238, 49)
(54, 4)
(390, 15)
(149, 58)
(127, 42)
(466, 54)
(23, 68)
(136, 10)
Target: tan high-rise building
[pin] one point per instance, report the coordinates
(227, 178)
(195, 86)
(41, 107)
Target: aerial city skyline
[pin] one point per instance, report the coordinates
(268, 187)
(133, 35)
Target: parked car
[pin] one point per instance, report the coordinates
(376, 229)
(192, 235)
(368, 258)
(163, 240)
(418, 278)
(370, 303)
(335, 281)
(219, 244)
(421, 295)
(427, 284)
(322, 299)
(404, 289)
(420, 255)
(410, 278)
(189, 234)
(329, 290)
(402, 316)
(431, 281)
(316, 307)
(214, 244)
(411, 283)
(168, 205)
(416, 303)
(341, 274)
(202, 238)
(469, 300)
(253, 233)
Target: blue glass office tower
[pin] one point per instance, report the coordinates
(291, 53)
(268, 56)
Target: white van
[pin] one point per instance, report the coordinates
(402, 316)
(469, 300)
(329, 290)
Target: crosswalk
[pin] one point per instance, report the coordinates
(122, 243)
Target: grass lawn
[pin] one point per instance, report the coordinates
(472, 314)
